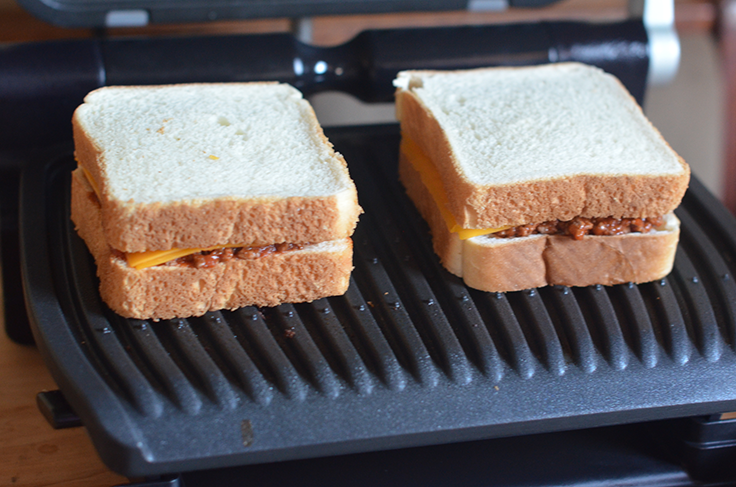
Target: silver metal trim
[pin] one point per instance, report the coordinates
(664, 43)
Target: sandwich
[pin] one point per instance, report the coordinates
(201, 197)
(535, 176)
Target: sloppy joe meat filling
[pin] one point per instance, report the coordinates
(579, 227)
(210, 258)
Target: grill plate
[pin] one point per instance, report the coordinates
(409, 356)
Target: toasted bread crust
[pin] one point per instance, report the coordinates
(500, 265)
(476, 206)
(175, 292)
(137, 227)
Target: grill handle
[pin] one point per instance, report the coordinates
(43, 82)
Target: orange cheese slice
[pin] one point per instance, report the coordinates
(150, 258)
(91, 181)
(431, 178)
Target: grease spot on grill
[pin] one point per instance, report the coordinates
(246, 431)
(289, 332)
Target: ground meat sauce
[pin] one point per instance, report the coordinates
(117, 254)
(579, 227)
(210, 258)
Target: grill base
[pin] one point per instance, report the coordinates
(408, 357)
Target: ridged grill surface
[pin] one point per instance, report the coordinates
(408, 356)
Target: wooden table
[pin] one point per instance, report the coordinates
(32, 453)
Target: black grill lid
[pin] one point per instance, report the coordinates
(136, 13)
(409, 356)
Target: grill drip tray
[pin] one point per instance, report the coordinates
(408, 357)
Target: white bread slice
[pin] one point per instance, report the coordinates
(512, 264)
(197, 165)
(162, 292)
(533, 144)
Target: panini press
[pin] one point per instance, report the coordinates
(410, 378)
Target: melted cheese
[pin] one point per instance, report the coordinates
(141, 260)
(91, 181)
(432, 180)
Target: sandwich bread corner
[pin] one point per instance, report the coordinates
(539, 175)
(201, 197)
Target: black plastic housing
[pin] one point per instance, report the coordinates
(704, 445)
(93, 13)
(615, 455)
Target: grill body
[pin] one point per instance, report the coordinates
(408, 357)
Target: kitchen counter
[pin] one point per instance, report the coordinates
(32, 453)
